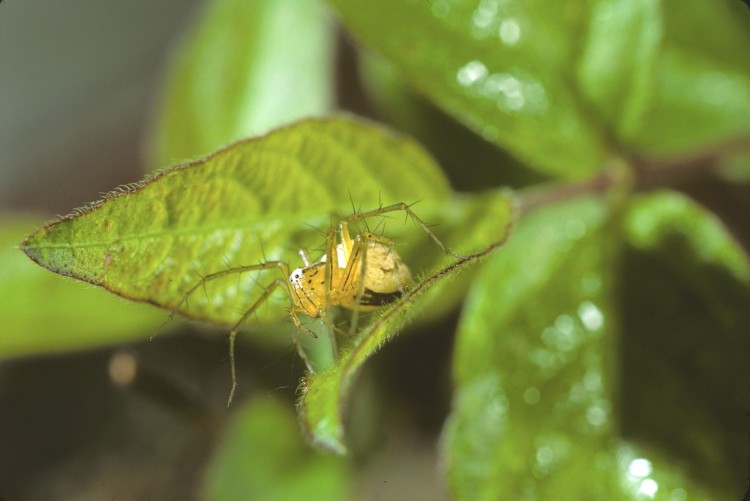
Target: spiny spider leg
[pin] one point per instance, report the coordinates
(359, 245)
(236, 328)
(401, 206)
(268, 265)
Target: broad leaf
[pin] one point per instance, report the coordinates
(257, 200)
(454, 146)
(240, 73)
(536, 409)
(686, 318)
(566, 85)
(325, 394)
(44, 313)
(501, 67)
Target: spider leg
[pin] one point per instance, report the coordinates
(299, 326)
(236, 329)
(332, 329)
(267, 265)
(357, 258)
(406, 208)
(331, 268)
(334, 275)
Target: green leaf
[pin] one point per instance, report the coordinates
(531, 361)
(454, 146)
(246, 68)
(665, 219)
(44, 313)
(686, 316)
(620, 56)
(536, 409)
(257, 200)
(502, 68)
(325, 394)
(701, 79)
(251, 463)
(564, 86)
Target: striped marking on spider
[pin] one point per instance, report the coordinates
(360, 273)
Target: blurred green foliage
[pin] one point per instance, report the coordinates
(235, 77)
(601, 353)
(252, 463)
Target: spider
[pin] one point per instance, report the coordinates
(361, 274)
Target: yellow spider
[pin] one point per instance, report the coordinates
(362, 273)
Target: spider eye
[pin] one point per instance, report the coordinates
(296, 275)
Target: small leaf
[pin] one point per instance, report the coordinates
(251, 463)
(257, 200)
(44, 313)
(240, 73)
(325, 394)
(666, 218)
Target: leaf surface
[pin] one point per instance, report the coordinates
(565, 86)
(538, 374)
(500, 67)
(700, 86)
(686, 312)
(258, 200)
